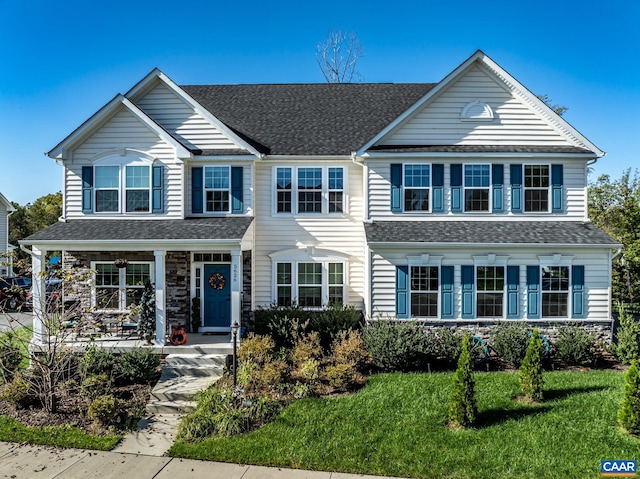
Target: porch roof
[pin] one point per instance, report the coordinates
(136, 230)
(568, 233)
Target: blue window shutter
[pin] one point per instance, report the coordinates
(87, 189)
(437, 186)
(516, 188)
(513, 292)
(396, 187)
(468, 292)
(446, 289)
(533, 292)
(556, 189)
(197, 190)
(402, 291)
(577, 285)
(156, 189)
(456, 188)
(236, 190)
(498, 187)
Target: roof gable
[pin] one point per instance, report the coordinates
(479, 103)
(7, 203)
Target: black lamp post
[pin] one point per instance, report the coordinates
(234, 331)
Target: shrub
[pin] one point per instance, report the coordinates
(340, 376)
(530, 373)
(19, 393)
(448, 346)
(94, 386)
(138, 365)
(629, 413)
(104, 410)
(510, 342)
(10, 356)
(306, 347)
(282, 323)
(398, 345)
(270, 375)
(462, 406)
(256, 348)
(349, 348)
(576, 346)
(97, 361)
(309, 370)
(627, 337)
(330, 322)
(199, 424)
(302, 390)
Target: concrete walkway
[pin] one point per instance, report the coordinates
(41, 462)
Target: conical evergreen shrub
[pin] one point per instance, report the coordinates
(530, 373)
(462, 407)
(147, 321)
(629, 414)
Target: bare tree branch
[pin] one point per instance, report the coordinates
(338, 55)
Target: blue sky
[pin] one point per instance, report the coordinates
(61, 61)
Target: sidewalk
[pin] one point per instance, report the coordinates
(43, 462)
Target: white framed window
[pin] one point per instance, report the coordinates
(490, 286)
(217, 189)
(310, 284)
(477, 188)
(119, 288)
(309, 190)
(425, 281)
(122, 188)
(537, 186)
(555, 291)
(417, 187)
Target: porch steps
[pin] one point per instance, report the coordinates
(183, 375)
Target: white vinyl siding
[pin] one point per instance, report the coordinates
(342, 234)
(574, 191)
(179, 118)
(596, 273)
(439, 122)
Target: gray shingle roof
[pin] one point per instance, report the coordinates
(308, 119)
(227, 228)
(479, 149)
(488, 232)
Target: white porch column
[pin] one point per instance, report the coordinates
(236, 286)
(38, 292)
(161, 319)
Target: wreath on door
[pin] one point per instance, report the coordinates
(216, 281)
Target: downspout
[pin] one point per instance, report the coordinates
(366, 264)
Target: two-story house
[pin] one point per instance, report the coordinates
(6, 261)
(463, 200)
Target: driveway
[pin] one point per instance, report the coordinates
(14, 320)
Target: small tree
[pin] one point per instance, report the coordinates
(530, 373)
(462, 407)
(629, 414)
(628, 337)
(147, 322)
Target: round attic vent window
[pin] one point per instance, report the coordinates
(477, 111)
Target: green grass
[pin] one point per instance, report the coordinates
(395, 426)
(13, 431)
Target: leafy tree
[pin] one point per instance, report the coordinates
(462, 407)
(629, 413)
(614, 206)
(530, 373)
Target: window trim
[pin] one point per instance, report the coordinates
(428, 188)
(503, 291)
(488, 188)
(205, 190)
(530, 188)
(557, 260)
(122, 286)
(294, 284)
(428, 260)
(122, 162)
(325, 191)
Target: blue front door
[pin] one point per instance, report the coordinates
(217, 296)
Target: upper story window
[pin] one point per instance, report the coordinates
(417, 187)
(477, 185)
(216, 187)
(536, 188)
(309, 190)
(117, 185)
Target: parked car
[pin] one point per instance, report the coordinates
(53, 294)
(14, 291)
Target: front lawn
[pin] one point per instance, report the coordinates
(395, 426)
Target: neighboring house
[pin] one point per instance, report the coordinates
(453, 202)
(6, 261)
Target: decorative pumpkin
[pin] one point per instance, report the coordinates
(178, 336)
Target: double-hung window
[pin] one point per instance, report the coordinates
(309, 284)
(477, 187)
(536, 188)
(490, 281)
(129, 184)
(216, 187)
(417, 187)
(309, 190)
(555, 291)
(424, 291)
(120, 288)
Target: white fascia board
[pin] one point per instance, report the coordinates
(10, 208)
(404, 244)
(137, 245)
(444, 83)
(156, 73)
(373, 155)
(294, 158)
(102, 116)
